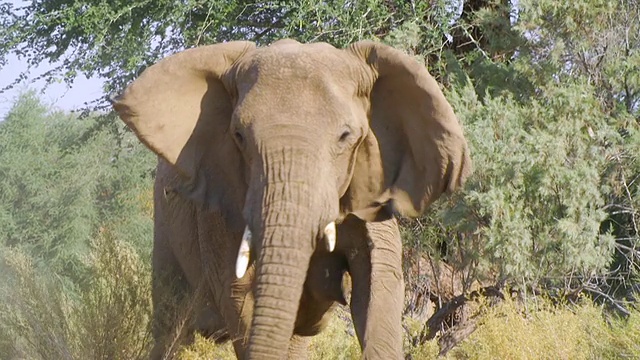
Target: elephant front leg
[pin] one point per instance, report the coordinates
(218, 246)
(375, 265)
(171, 294)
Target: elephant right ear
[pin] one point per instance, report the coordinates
(181, 110)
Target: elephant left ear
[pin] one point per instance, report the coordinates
(415, 137)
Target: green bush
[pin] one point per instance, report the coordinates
(535, 203)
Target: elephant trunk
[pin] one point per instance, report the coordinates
(279, 281)
(289, 223)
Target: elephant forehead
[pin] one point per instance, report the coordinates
(300, 66)
(296, 83)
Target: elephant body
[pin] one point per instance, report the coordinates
(289, 161)
(195, 250)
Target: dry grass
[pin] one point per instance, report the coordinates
(542, 331)
(507, 331)
(335, 342)
(108, 319)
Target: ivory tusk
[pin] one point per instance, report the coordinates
(242, 263)
(330, 235)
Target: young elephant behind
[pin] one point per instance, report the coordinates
(290, 160)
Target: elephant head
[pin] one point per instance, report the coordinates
(287, 139)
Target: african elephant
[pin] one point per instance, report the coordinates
(291, 160)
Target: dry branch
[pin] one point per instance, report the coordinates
(457, 332)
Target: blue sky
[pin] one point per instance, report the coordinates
(58, 94)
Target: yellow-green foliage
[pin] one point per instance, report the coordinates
(107, 318)
(541, 331)
(333, 343)
(509, 330)
(202, 349)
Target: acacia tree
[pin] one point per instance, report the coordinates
(117, 40)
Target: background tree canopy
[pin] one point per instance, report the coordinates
(548, 92)
(62, 180)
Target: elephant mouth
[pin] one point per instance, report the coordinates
(329, 235)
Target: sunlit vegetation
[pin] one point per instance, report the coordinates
(537, 257)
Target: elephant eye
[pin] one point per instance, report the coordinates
(344, 136)
(238, 136)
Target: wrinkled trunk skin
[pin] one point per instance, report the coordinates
(288, 224)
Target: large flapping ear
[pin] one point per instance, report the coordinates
(181, 110)
(421, 143)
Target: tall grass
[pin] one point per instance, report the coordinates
(106, 316)
(337, 341)
(537, 329)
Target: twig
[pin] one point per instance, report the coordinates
(435, 323)
(613, 301)
(472, 40)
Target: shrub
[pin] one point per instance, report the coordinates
(532, 211)
(106, 317)
(536, 329)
